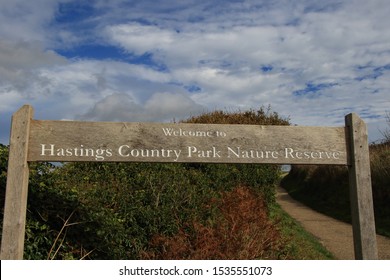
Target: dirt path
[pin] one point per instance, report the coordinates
(336, 236)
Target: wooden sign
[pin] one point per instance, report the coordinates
(63, 141)
(159, 142)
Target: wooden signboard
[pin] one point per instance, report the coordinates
(65, 141)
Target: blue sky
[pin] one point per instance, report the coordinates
(145, 60)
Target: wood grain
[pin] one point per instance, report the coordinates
(362, 209)
(168, 142)
(12, 242)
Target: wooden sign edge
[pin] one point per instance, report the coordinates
(87, 132)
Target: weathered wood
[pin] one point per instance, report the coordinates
(362, 210)
(162, 142)
(12, 242)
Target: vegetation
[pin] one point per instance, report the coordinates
(326, 188)
(156, 211)
(386, 132)
(300, 244)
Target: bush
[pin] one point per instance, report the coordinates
(261, 116)
(380, 174)
(241, 229)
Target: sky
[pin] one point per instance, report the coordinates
(312, 61)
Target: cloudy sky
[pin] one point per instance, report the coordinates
(144, 60)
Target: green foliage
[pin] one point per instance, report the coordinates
(125, 205)
(299, 244)
(3, 171)
(326, 188)
(3, 178)
(114, 210)
(380, 174)
(320, 187)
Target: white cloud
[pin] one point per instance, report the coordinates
(115, 107)
(138, 38)
(160, 107)
(101, 90)
(9, 99)
(23, 56)
(227, 54)
(27, 20)
(168, 106)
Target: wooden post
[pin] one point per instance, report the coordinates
(362, 210)
(12, 242)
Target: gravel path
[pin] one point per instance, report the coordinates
(336, 236)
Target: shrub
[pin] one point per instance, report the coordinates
(380, 174)
(261, 116)
(241, 229)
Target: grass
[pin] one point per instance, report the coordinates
(301, 244)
